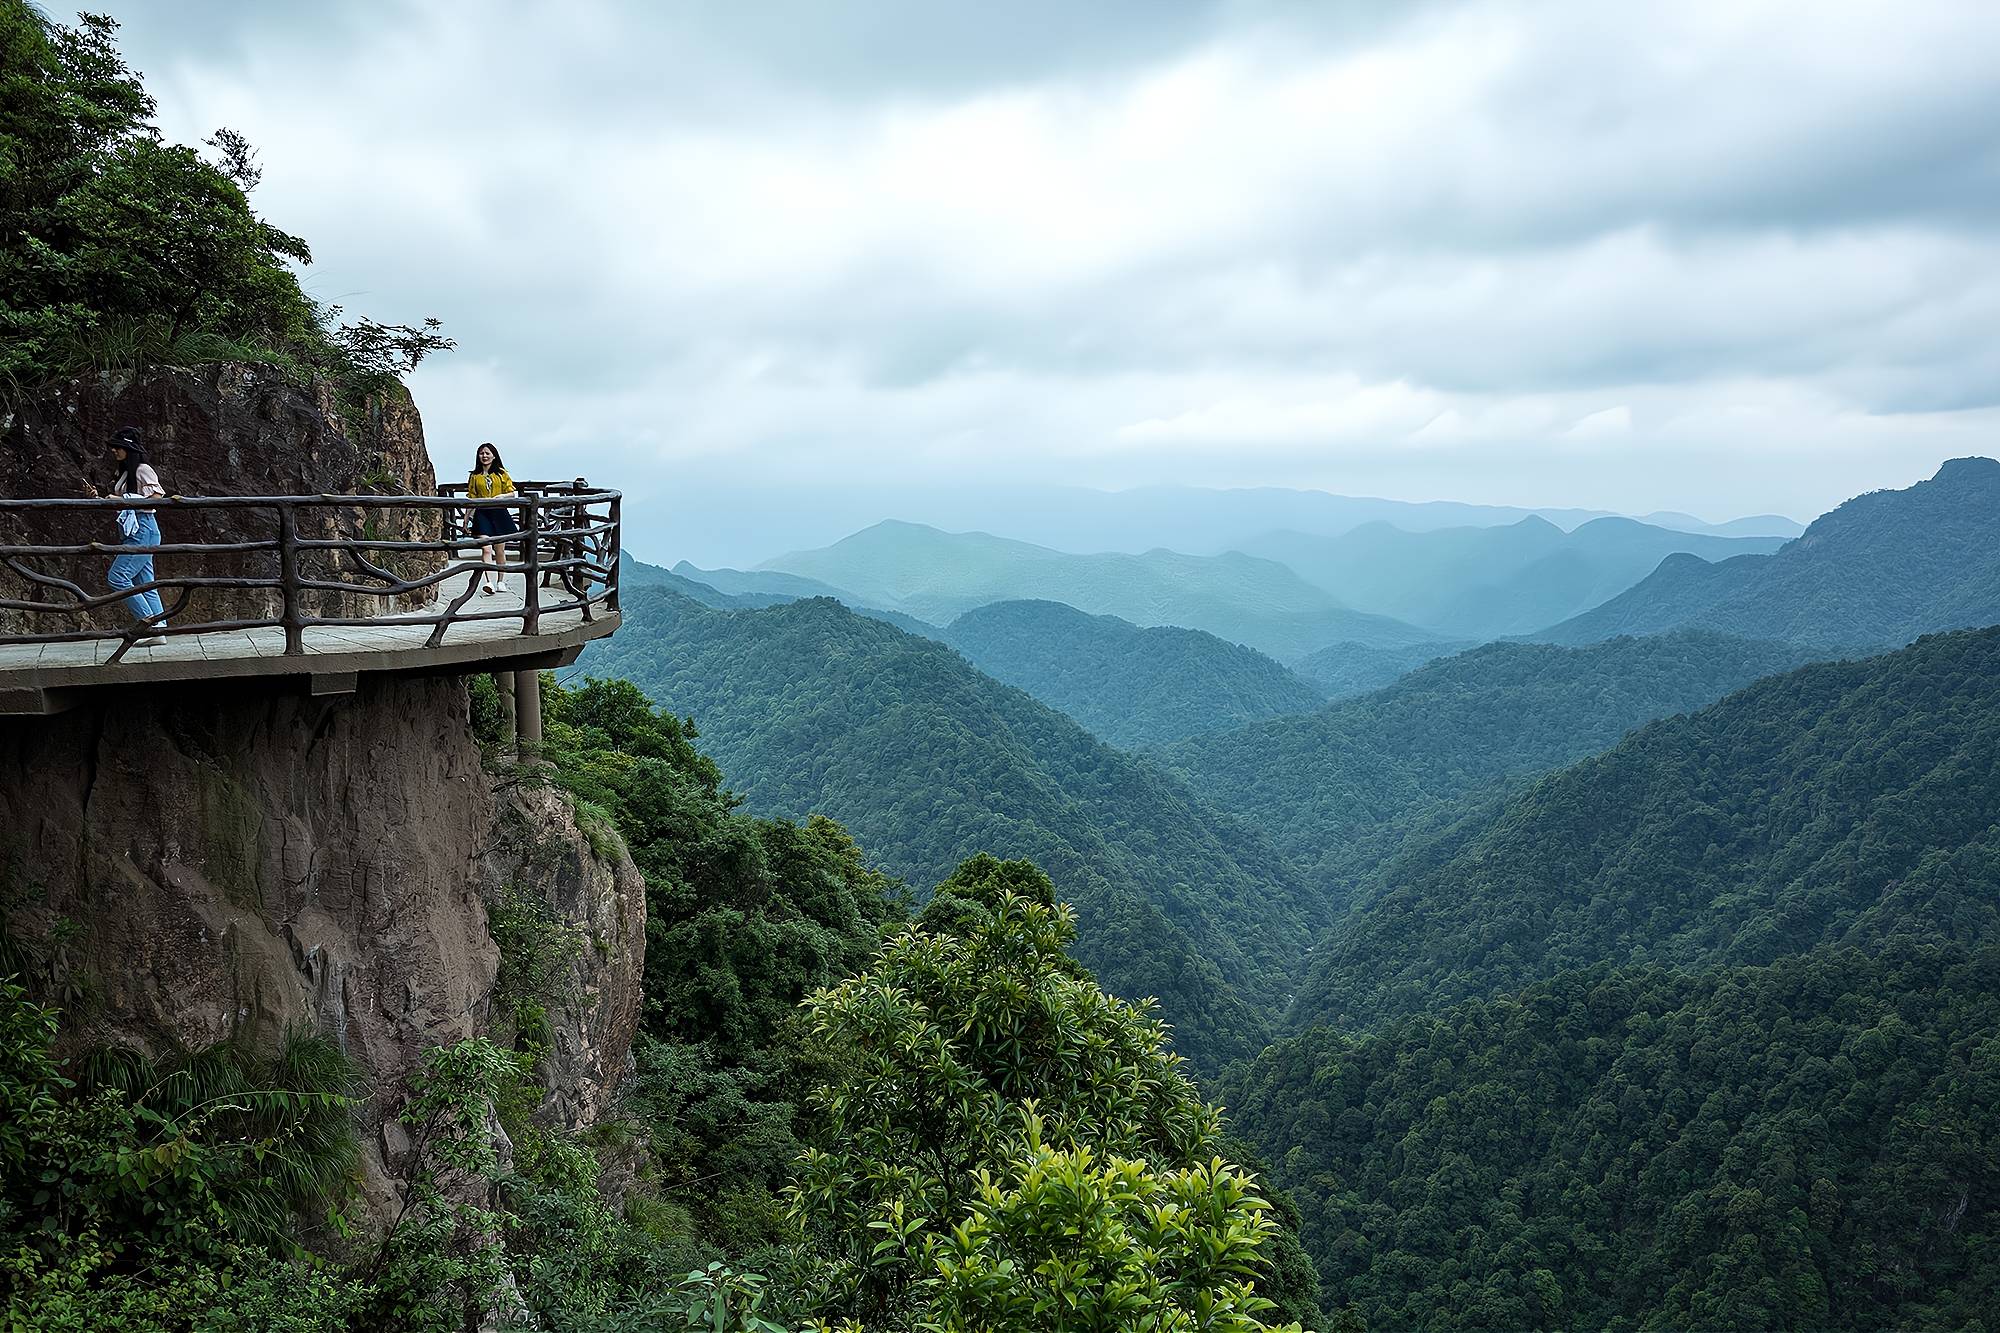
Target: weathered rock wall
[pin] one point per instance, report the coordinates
(225, 429)
(207, 864)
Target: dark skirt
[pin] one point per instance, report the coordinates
(495, 522)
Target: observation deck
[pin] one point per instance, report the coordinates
(312, 592)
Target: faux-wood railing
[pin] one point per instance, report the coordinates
(570, 565)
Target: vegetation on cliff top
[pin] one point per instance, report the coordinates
(120, 250)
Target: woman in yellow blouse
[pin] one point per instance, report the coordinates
(489, 481)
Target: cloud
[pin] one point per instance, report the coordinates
(1594, 248)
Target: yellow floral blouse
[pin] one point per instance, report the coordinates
(487, 485)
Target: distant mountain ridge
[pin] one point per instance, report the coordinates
(937, 575)
(1875, 573)
(762, 581)
(1129, 685)
(1490, 582)
(1753, 525)
(743, 522)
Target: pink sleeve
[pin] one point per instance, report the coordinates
(149, 480)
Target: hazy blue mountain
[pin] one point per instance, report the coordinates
(1339, 789)
(1346, 669)
(1491, 582)
(938, 575)
(810, 707)
(1874, 573)
(1845, 803)
(1755, 525)
(760, 581)
(633, 573)
(1127, 685)
(754, 590)
(745, 520)
(1203, 520)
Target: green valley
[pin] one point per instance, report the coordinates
(810, 708)
(1340, 788)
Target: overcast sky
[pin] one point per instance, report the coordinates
(1725, 257)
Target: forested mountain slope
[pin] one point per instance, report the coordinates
(1809, 1145)
(1873, 574)
(1337, 788)
(809, 707)
(1844, 803)
(939, 575)
(1128, 685)
(1484, 583)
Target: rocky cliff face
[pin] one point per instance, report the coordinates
(225, 429)
(200, 865)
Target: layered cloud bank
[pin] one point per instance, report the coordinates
(1721, 257)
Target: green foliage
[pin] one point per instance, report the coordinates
(1342, 788)
(159, 1194)
(1873, 574)
(813, 708)
(536, 954)
(1056, 1239)
(744, 918)
(1127, 685)
(443, 1254)
(982, 1080)
(1843, 803)
(120, 250)
(1813, 1144)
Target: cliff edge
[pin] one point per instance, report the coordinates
(198, 865)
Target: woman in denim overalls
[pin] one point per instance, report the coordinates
(137, 526)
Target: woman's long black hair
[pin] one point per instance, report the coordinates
(498, 464)
(127, 477)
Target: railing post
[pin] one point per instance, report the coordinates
(611, 579)
(531, 614)
(288, 581)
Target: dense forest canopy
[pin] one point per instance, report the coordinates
(1809, 1145)
(1849, 802)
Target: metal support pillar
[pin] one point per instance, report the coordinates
(528, 712)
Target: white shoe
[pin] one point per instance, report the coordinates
(150, 641)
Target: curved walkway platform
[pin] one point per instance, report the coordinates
(46, 677)
(560, 591)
